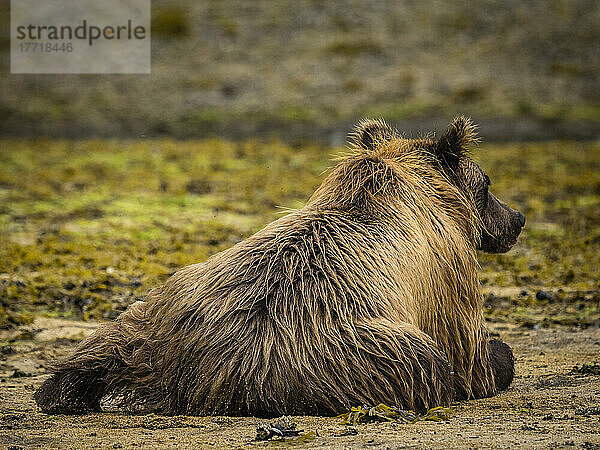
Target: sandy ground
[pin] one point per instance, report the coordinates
(548, 406)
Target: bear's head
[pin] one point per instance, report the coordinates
(500, 225)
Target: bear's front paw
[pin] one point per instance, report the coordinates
(503, 363)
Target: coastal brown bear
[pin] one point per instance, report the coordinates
(368, 294)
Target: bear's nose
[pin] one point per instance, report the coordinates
(521, 219)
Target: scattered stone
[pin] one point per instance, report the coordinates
(198, 187)
(349, 431)
(586, 369)
(20, 374)
(543, 295)
(588, 412)
(284, 427)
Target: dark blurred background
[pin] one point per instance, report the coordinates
(307, 69)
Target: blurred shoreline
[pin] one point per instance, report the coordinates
(306, 132)
(307, 70)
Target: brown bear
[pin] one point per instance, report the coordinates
(366, 295)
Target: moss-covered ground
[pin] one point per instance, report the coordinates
(86, 227)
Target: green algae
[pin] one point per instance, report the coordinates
(87, 227)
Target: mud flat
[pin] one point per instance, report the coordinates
(553, 402)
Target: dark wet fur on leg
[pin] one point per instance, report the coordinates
(503, 363)
(71, 392)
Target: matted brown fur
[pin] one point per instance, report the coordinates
(368, 294)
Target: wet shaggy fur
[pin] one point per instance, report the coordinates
(368, 294)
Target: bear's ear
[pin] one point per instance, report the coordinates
(455, 142)
(370, 132)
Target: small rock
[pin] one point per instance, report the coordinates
(20, 374)
(543, 295)
(588, 412)
(350, 431)
(586, 369)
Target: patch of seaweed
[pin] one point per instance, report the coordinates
(383, 413)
